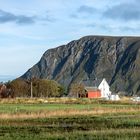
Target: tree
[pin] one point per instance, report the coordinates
(62, 91)
(46, 88)
(78, 90)
(40, 88)
(49, 88)
(20, 88)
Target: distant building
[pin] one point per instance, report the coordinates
(3, 90)
(101, 90)
(114, 97)
(92, 92)
(105, 89)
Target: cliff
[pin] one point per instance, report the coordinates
(91, 59)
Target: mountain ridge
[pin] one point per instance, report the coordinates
(92, 58)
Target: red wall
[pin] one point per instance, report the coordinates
(94, 94)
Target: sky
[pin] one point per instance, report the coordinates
(30, 27)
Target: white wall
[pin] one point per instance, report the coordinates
(105, 89)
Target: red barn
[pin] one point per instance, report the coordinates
(93, 92)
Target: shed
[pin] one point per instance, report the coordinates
(92, 92)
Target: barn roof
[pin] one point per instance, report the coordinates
(91, 89)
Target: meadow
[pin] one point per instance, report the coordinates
(69, 119)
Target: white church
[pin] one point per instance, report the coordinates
(100, 90)
(105, 91)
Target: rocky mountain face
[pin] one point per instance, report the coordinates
(90, 59)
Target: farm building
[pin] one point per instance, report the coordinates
(105, 89)
(101, 90)
(92, 92)
(114, 97)
(3, 90)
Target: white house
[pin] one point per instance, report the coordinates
(105, 89)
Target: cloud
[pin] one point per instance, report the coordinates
(102, 27)
(74, 16)
(126, 29)
(124, 12)
(47, 17)
(86, 9)
(129, 29)
(6, 17)
(25, 20)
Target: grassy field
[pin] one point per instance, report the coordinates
(24, 119)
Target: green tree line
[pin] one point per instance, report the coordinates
(40, 88)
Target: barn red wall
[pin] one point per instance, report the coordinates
(94, 94)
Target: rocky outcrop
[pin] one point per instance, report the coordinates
(91, 59)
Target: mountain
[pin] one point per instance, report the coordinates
(90, 59)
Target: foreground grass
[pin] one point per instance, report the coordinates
(33, 134)
(73, 127)
(94, 120)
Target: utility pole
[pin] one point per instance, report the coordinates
(31, 85)
(31, 89)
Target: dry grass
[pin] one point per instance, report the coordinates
(98, 108)
(68, 112)
(68, 118)
(124, 100)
